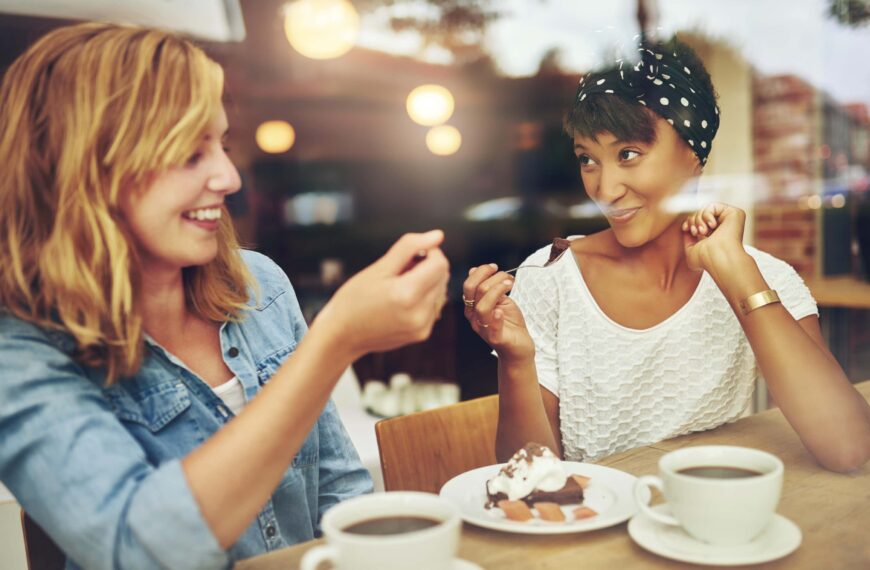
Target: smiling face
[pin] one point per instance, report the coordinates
(174, 218)
(633, 182)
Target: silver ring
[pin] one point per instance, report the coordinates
(482, 325)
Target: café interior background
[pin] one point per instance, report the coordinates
(337, 161)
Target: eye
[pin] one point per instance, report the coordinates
(194, 159)
(585, 160)
(628, 154)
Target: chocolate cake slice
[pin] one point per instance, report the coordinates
(569, 494)
(560, 245)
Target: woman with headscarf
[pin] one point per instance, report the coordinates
(661, 324)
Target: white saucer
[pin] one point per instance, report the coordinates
(780, 539)
(460, 564)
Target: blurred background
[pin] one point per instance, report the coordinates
(354, 121)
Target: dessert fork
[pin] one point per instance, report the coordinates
(557, 250)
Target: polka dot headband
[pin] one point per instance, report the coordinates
(660, 82)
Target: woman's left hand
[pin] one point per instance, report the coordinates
(711, 234)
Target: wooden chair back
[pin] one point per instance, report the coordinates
(422, 451)
(41, 551)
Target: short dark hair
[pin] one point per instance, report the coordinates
(625, 118)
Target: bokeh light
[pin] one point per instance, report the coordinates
(430, 105)
(321, 29)
(275, 137)
(443, 140)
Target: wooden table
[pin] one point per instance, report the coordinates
(840, 299)
(846, 292)
(832, 510)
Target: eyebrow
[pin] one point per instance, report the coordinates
(614, 143)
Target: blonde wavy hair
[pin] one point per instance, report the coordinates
(88, 112)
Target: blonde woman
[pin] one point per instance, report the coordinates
(161, 401)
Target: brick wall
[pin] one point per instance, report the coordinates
(787, 230)
(786, 148)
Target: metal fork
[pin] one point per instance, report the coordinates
(550, 261)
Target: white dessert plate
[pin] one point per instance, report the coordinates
(780, 539)
(462, 564)
(610, 493)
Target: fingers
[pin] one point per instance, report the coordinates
(702, 223)
(422, 290)
(402, 253)
(476, 276)
(430, 306)
(431, 272)
(486, 316)
(490, 294)
(708, 216)
(418, 307)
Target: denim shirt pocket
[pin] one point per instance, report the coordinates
(302, 472)
(153, 407)
(266, 367)
(307, 456)
(268, 298)
(270, 364)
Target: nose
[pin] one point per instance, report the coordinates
(225, 177)
(610, 187)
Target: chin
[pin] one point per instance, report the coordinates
(193, 259)
(631, 237)
(204, 260)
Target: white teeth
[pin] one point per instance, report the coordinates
(204, 214)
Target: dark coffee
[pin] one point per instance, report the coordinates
(391, 525)
(717, 472)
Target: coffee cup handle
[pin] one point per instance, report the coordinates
(316, 555)
(639, 487)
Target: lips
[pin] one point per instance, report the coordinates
(622, 214)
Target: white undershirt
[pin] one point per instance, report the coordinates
(232, 393)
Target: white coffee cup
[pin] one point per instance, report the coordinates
(432, 548)
(718, 510)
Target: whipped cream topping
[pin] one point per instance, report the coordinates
(533, 468)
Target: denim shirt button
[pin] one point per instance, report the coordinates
(271, 531)
(233, 352)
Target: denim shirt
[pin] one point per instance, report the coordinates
(99, 468)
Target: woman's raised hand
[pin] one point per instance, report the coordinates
(394, 301)
(712, 236)
(493, 315)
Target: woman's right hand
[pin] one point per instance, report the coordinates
(494, 316)
(394, 301)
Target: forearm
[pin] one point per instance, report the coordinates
(828, 414)
(522, 417)
(235, 472)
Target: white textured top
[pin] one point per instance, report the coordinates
(621, 388)
(232, 393)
